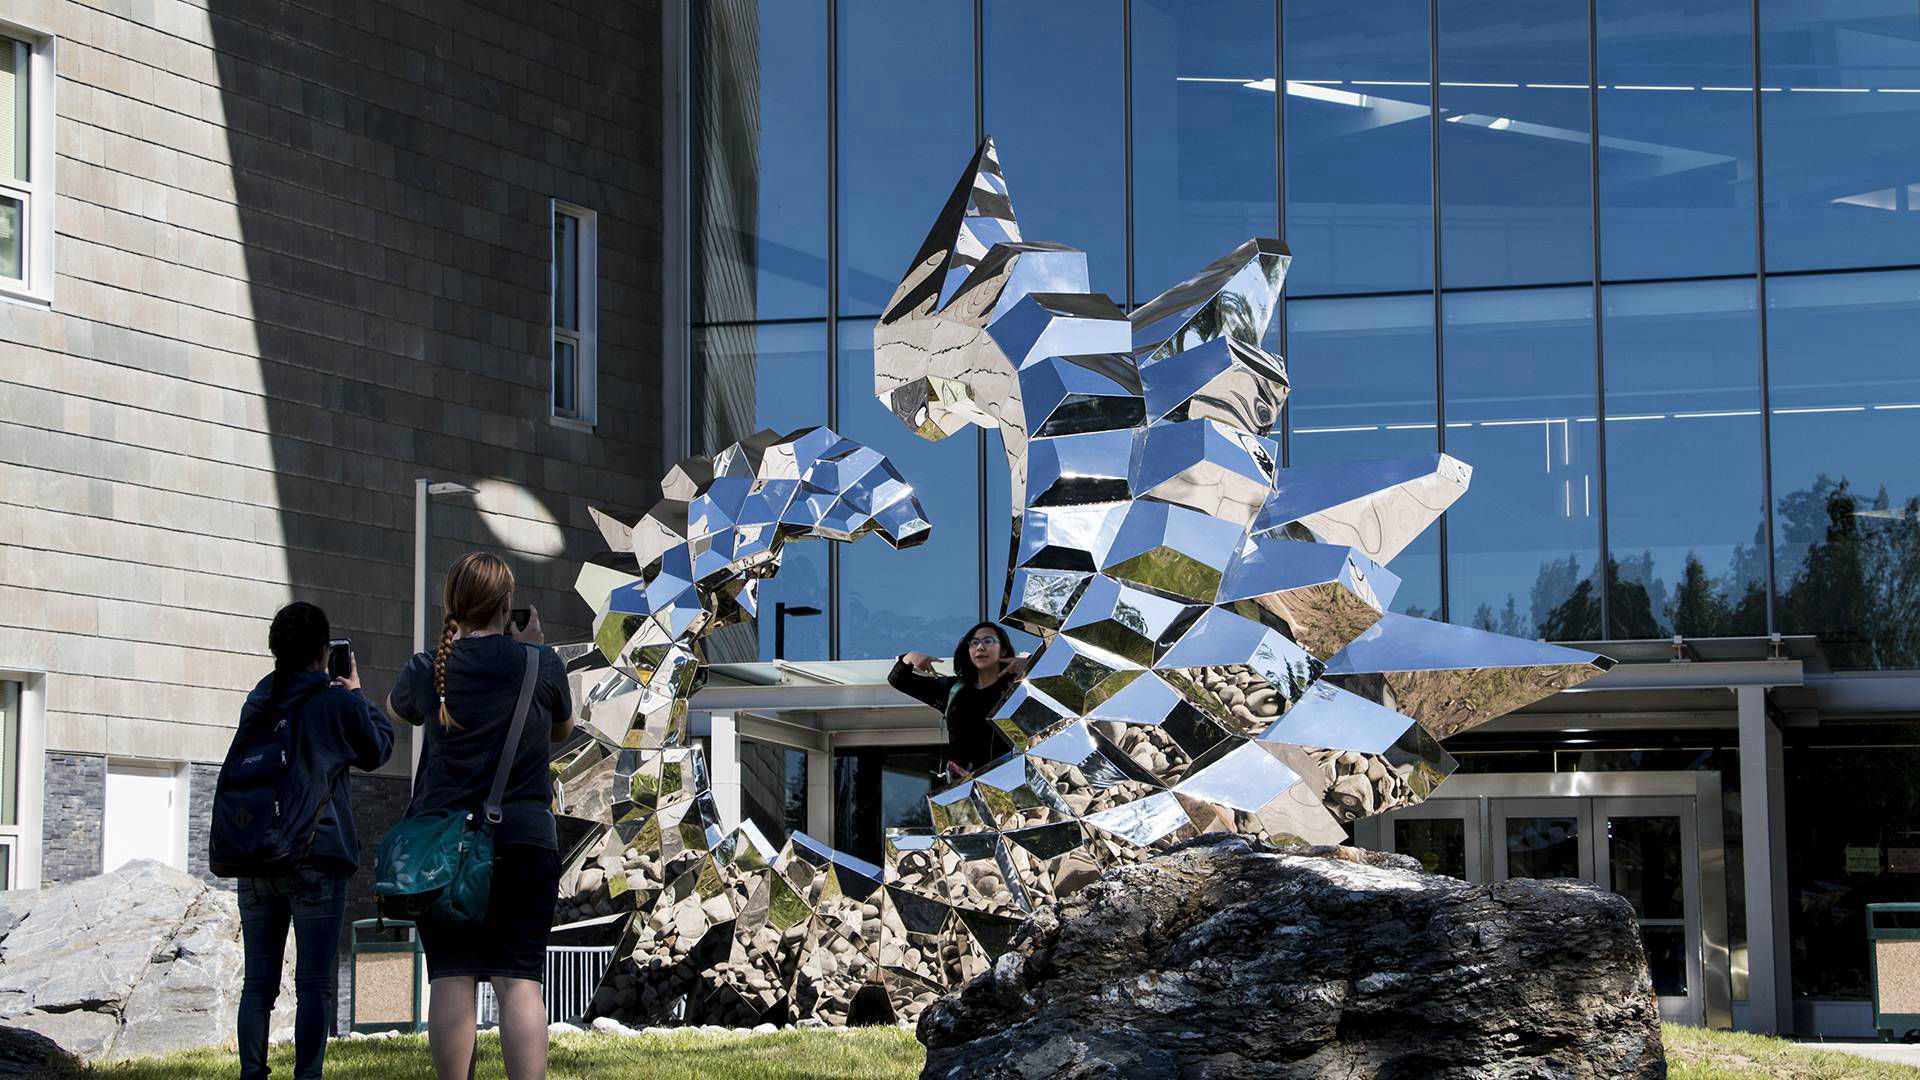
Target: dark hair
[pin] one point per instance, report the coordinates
(298, 636)
(478, 586)
(963, 663)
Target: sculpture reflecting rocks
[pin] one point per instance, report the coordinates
(1217, 654)
(1217, 650)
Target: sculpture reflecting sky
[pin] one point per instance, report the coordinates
(1217, 651)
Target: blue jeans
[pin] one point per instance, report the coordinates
(315, 903)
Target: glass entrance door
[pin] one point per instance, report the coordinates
(1646, 848)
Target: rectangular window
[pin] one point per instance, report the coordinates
(26, 174)
(574, 380)
(10, 703)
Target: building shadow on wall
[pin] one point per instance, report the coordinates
(391, 176)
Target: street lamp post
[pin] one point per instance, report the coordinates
(780, 612)
(423, 490)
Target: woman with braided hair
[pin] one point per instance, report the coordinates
(463, 697)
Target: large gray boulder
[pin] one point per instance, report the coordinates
(143, 960)
(1226, 959)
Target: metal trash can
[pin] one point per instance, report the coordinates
(389, 977)
(1893, 939)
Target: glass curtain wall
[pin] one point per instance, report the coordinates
(1652, 270)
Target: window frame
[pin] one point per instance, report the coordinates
(24, 835)
(585, 339)
(35, 286)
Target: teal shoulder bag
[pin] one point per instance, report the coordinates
(438, 865)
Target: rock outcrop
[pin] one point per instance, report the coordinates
(139, 961)
(32, 1056)
(1224, 959)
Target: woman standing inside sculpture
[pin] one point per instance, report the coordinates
(463, 696)
(985, 669)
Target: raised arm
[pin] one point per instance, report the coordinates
(913, 676)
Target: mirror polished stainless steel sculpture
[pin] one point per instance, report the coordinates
(1217, 651)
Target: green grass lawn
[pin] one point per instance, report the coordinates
(885, 1053)
(1698, 1054)
(891, 1054)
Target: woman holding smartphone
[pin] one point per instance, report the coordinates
(334, 728)
(463, 697)
(985, 669)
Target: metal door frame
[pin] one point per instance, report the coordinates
(1469, 797)
(1688, 1009)
(1499, 811)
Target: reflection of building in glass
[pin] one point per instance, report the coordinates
(1663, 300)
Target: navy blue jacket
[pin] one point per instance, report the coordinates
(337, 729)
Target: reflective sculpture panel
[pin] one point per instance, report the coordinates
(1217, 651)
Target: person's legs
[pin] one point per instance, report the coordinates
(450, 1024)
(264, 914)
(319, 906)
(523, 1027)
(519, 917)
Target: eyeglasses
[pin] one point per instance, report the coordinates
(972, 642)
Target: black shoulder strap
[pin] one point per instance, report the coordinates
(511, 749)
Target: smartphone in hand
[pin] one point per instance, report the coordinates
(340, 658)
(519, 618)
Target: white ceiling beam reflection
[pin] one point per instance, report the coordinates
(1267, 85)
(1713, 414)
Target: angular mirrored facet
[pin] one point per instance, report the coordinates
(1452, 678)
(1375, 507)
(1214, 652)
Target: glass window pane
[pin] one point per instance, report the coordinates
(1543, 847)
(1439, 843)
(1683, 389)
(1666, 958)
(9, 755)
(1057, 116)
(745, 378)
(1848, 787)
(906, 132)
(566, 271)
(1846, 480)
(926, 597)
(1676, 137)
(15, 57)
(879, 789)
(773, 788)
(1359, 130)
(1524, 540)
(1363, 387)
(759, 160)
(1515, 178)
(1837, 124)
(1643, 865)
(566, 371)
(1203, 161)
(12, 250)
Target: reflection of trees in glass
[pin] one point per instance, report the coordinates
(1856, 574)
(1850, 572)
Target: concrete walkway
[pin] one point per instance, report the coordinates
(1899, 1053)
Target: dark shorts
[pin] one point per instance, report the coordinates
(512, 942)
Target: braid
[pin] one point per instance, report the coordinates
(440, 672)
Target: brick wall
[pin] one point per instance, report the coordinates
(302, 258)
(76, 789)
(201, 780)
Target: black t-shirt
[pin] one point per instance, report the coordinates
(972, 738)
(457, 766)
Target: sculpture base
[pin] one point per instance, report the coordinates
(1223, 958)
